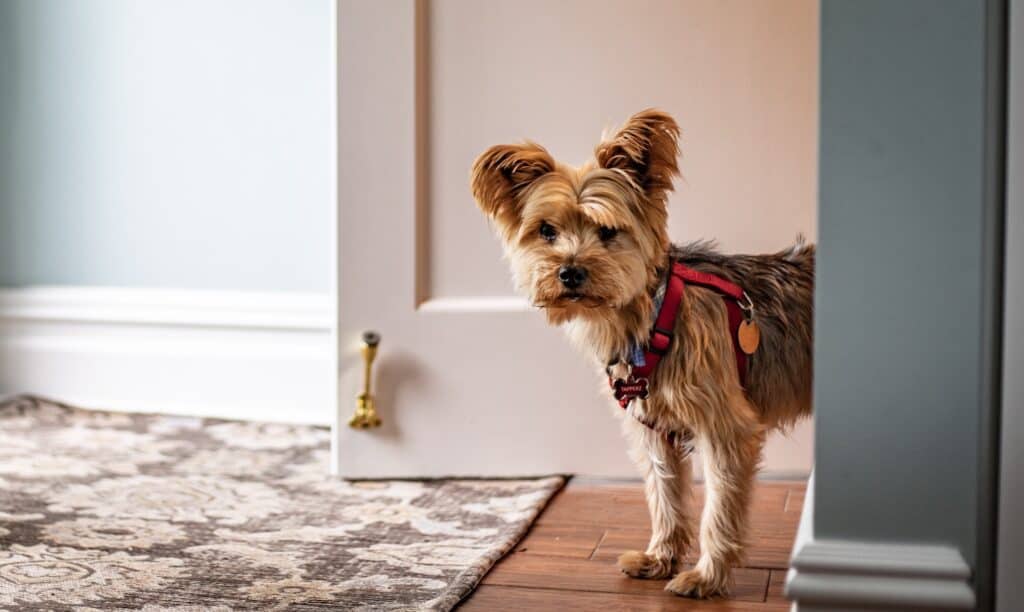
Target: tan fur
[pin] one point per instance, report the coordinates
(696, 387)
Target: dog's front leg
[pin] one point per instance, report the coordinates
(730, 458)
(668, 482)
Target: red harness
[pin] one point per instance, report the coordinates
(737, 303)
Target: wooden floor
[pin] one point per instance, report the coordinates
(567, 560)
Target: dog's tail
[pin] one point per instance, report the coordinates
(801, 252)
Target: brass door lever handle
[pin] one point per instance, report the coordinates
(365, 415)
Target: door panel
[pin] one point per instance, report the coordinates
(470, 380)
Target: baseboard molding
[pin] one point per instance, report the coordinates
(840, 575)
(263, 356)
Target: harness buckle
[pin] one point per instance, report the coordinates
(657, 334)
(746, 305)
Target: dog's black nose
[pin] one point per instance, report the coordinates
(571, 276)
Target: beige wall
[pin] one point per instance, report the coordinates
(740, 77)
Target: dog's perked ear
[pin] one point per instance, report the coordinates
(646, 149)
(502, 173)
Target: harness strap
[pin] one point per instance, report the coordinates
(732, 294)
(664, 325)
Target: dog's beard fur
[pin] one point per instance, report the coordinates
(577, 204)
(521, 188)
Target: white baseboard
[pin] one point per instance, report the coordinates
(261, 356)
(839, 575)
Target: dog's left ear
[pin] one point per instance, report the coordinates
(502, 173)
(646, 149)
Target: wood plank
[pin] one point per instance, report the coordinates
(777, 587)
(564, 573)
(573, 541)
(771, 540)
(597, 505)
(767, 551)
(567, 560)
(771, 496)
(795, 500)
(624, 504)
(491, 598)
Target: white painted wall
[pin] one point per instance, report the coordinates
(243, 355)
(185, 144)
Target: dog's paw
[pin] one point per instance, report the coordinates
(642, 565)
(699, 583)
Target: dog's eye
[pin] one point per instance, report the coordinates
(548, 231)
(607, 233)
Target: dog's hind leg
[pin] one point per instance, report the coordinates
(668, 484)
(731, 455)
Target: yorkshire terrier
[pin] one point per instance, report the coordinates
(722, 342)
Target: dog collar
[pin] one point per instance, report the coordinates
(644, 361)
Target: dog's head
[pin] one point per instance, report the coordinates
(583, 240)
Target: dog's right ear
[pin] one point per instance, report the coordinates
(502, 173)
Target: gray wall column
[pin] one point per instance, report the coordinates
(908, 273)
(1010, 575)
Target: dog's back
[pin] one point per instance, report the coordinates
(781, 286)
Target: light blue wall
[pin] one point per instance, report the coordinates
(184, 144)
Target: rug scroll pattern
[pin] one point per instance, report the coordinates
(117, 511)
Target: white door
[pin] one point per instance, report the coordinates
(468, 379)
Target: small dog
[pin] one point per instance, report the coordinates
(590, 247)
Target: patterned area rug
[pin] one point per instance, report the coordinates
(112, 511)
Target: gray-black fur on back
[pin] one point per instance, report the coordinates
(781, 286)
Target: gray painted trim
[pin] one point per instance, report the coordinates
(836, 575)
(826, 590)
(1010, 570)
(994, 203)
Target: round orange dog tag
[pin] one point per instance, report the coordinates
(749, 336)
